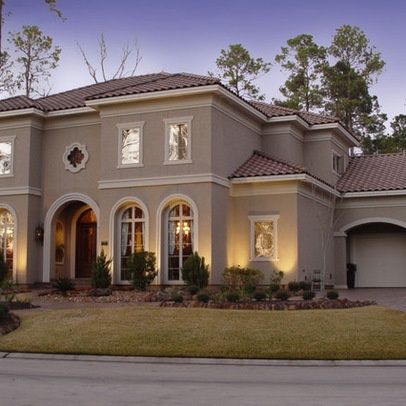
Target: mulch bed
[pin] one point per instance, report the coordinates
(9, 323)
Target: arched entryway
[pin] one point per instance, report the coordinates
(70, 238)
(8, 238)
(378, 249)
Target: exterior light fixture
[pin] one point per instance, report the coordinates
(39, 233)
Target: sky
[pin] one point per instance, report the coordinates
(187, 36)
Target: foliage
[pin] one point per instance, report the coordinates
(304, 60)
(141, 266)
(238, 69)
(242, 278)
(177, 297)
(203, 297)
(276, 277)
(282, 294)
(305, 285)
(308, 295)
(274, 287)
(332, 294)
(8, 290)
(4, 271)
(193, 289)
(195, 271)
(63, 284)
(260, 295)
(36, 57)
(294, 286)
(233, 297)
(3, 311)
(101, 276)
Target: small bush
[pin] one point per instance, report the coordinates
(308, 295)
(195, 271)
(276, 277)
(233, 297)
(274, 287)
(259, 295)
(305, 285)
(282, 294)
(3, 311)
(203, 297)
(64, 284)
(141, 266)
(177, 297)
(236, 277)
(193, 289)
(294, 286)
(332, 294)
(101, 276)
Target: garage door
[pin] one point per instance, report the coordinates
(380, 259)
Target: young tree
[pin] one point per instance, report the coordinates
(238, 69)
(127, 64)
(398, 136)
(36, 57)
(304, 60)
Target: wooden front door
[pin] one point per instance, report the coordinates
(86, 240)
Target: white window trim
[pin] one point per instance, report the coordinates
(178, 120)
(126, 126)
(341, 157)
(258, 218)
(9, 138)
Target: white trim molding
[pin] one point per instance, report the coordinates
(367, 220)
(273, 218)
(69, 166)
(127, 126)
(376, 193)
(5, 206)
(178, 120)
(178, 197)
(113, 230)
(20, 190)
(49, 217)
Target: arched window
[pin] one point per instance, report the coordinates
(180, 239)
(132, 232)
(7, 237)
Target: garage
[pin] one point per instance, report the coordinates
(379, 252)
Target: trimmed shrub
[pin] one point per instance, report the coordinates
(177, 297)
(282, 294)
(332, 294)
(274, 287)
(141, 266)
(294, 286)
(193, 289)
(236, 277)
(305, 285)
(308, 295)
(101, 276)
(259, 295)
(63, 284)
(233, 297)
(276, 277)
(203, 297)
(195, 271)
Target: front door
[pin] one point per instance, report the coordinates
(86, 240)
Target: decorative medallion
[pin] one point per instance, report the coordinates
(75, 157)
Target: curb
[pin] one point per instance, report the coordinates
(204, 361)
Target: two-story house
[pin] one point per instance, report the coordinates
(176, 163)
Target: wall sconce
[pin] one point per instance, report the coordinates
(39, 233)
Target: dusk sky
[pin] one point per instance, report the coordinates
(180, 35)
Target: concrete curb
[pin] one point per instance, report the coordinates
(206, 361)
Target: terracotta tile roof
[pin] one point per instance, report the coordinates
(17, 103)
(374, 173)
(271, 110)
(260, 164)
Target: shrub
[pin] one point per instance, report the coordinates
(4, 270)
(64, 284)
(101, 276)
(233, 297)
(332, 294)
(282, 294)
(193, 289)
(308, 295)
(276, 277)
(294, 286)
(260, 295)
(3, 311)
(273, 287)
(195, 271)
(249, 290)
(203, 297)
(305, 285)
(141, 266)
(236, 277)
(177, 297)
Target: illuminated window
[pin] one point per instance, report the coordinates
(264, 235)
(130, 144)
(7, 237)
(6, 156)
(178, 140)
(59, 243)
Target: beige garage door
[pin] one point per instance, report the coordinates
(380, 259)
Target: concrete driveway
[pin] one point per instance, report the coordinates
(391, 297)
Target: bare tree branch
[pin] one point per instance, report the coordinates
(90, 68)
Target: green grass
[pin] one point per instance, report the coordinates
(362, 333)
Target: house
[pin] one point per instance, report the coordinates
(176, 163)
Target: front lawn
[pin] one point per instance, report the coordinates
(362, 333)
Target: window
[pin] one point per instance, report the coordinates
(75, 157)
(7, 237)
(130, 144)
(6, 156)
(264, 244)
(338, 163)
(132, 231)
(180, 239)
(178, 140)
(59, 243)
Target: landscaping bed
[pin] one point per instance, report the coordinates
(8, 323)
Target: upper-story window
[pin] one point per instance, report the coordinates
(6, 156)
(338, 163)
(130, 144)
(178, 140)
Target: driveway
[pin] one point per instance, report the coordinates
(391, 297)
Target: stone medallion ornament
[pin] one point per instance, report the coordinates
(75, 157)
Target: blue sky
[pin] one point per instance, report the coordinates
(180, 35)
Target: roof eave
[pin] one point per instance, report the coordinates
(22, 112)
